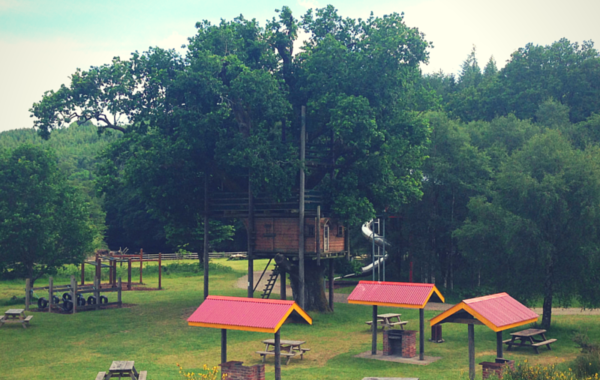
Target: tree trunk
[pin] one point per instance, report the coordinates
(548, 293)
(314, 292)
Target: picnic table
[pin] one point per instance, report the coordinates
(122, 369)
(288, 348)
(388, 320)
(527, 338)
(15, 315)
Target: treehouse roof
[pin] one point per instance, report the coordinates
(499, 312)
(397, 294)
(247, 314)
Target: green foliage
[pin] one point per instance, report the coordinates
(44, 221)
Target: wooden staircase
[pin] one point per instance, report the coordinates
(270, 283)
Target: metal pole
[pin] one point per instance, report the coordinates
(383, 249)
(205, 242)
(301, 209)
(250, 239)
(471, 352)
(374, 325)
(277, 356)
(422, 334)
(159, 271)
(331, 269)
(223, 346)
(318, 236)
(499, 353)
(282, 283)
(373, 247)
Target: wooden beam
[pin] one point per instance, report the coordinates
(374, 326)
(251, 239)
(499, 353)
(471, 351)
(223, 346)
(205, 245)
(422, 334)
(277, 356)
(301, 209)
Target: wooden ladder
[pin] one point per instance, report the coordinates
(270, 283)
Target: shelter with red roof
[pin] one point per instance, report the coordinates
(499, 312)
(396, 294)
(247, 314)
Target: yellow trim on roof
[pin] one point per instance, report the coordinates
(438, 293)
(388, 304)
(232, 327)
(463, 306)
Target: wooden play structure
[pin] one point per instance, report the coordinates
(110, 260)
(73, 298)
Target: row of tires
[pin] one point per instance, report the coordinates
(67, 302)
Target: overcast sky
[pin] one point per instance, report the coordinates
(43, 41)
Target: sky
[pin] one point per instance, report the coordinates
(42, 42)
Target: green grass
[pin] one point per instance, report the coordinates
(154, 334)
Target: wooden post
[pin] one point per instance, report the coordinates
(27, 293)
(99, 269)
(119, 284)
(499, 353)
(471, 351)
(74, 294)
(277, 356)
(159, 270)
(421, 334)
(282, 280)
(301, 210)
(250, 240)
(223, 346)
(374, 326)
(205, 242)
(331, 270)
(141, 264)
(82, 274)
(97, 292)
(318, 237)
(50, 294)
(129, 274)
(110, 273)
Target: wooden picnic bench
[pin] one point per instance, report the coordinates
(527, 339)
(288, 348)
(16, 315)
(119, 369)
(387, 320)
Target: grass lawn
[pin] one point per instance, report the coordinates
(154, 334)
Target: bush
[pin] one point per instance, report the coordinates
(524, 371)
(588, 363)
(208, 373)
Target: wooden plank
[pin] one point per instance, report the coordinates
(143, 375)
(546, 342)
(101, 376)
(529, 332)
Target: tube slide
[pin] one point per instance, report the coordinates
(379, 241)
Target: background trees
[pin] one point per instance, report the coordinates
(44, 222)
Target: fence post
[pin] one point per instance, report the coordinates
(27, 293)
(159, 270)
(119, 293)
(74, 294)
(97, 292)
(82, 273)
(141, 264)
(50, 294)
(129, 274)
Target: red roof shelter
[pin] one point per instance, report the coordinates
(499, 312)
(247, 314)
(395, 294)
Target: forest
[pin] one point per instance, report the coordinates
(489, 178)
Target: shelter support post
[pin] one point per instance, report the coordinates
(301, 209)
(374, 326)
(471, 351)
(499, 354)
(421, 334)
(277, 356)
(223, 346)
(331, 267)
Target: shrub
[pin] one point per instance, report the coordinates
(206, 374)
(524, 371)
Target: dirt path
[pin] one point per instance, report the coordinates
(242, 283)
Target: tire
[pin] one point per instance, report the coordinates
(91, 300)
(67, 305)
(80, 301)
(103, 300)
(42, 303)
(66, 297)
(55, 300)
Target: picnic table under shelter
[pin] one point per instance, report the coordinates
(396, 294)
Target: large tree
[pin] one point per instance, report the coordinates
(227, 114)
(44, 222)
(537, 234)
